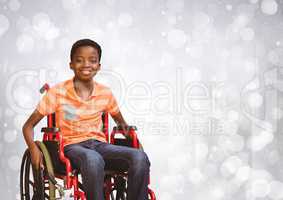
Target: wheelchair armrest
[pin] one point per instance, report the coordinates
(50, 129)
(128, 131)
(120, 128)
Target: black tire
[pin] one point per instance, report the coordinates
(33, 186)
(119, 191)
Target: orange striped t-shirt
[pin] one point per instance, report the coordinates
(78, 119)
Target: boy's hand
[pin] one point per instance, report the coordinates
(36, 157)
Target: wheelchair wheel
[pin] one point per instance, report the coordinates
(33, 183)
(119, 190)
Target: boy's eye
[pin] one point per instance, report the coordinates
(93, 61)
(79, 60)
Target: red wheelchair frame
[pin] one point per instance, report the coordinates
(71, 181)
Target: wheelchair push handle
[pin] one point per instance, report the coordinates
(44, 88)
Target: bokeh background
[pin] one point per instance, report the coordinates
(202, 80)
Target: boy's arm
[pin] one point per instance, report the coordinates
(119, 120)
(28, 132)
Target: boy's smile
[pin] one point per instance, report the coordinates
(85, 63)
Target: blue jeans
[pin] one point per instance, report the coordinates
(90, 158)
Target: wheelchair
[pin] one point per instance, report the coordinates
(59, 180)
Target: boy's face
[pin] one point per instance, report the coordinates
(85, 63)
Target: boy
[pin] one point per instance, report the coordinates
(79, 104)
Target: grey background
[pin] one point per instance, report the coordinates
(202, 80)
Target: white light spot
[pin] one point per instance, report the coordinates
(217, 193)
(253, 85)
(230, 166)
(4, 24)
(196, 176)
(25, 43)
(258, 142)
(243, 174)
(41, 22)
(14, 5)
(269, 7)
(125, 20)
(276, 190)
(229, 7)
(260, 188)
(14, 163)
(176, 38)
(10, 136)
(52, 33)
(255, 100)
(201, 20)
(247, 34)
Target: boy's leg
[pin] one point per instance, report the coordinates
(138, 173)
(91, 166)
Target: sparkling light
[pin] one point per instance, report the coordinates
(201, 20)
(269, 7)
(258, 142)
(243, 174)
(230, 166)
(255, 100)
(196, 176)
(260, 188)
(229, 7)
(41, 22)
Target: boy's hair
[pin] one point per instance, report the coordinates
(85, 42)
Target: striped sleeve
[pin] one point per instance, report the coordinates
(112, 106)
(48, 103)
